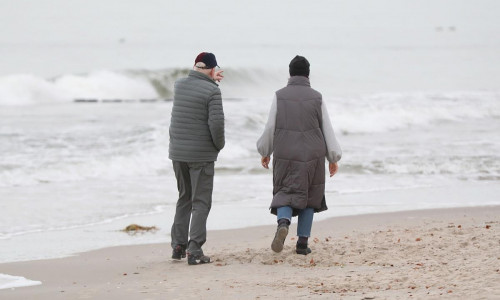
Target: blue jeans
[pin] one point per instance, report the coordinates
(305, 219)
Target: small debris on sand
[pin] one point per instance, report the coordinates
(134, 228)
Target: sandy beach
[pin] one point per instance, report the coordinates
(426, 254)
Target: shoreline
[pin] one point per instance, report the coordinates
(244, 214)
(436, 252)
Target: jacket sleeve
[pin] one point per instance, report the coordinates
(265, 143)
(216, 119)
(334, 153)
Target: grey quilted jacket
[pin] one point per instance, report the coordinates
(197, 122)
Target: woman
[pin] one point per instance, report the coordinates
(299, 134)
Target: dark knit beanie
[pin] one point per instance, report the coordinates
(299, 66)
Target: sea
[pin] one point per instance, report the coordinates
(86, 89)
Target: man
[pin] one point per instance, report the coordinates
(299, 134)
(196, 137)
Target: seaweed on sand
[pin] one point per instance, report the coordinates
(134, 229)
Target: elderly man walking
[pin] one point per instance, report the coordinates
(196, 137)
(299, 135)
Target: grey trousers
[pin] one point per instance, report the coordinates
(195, 181)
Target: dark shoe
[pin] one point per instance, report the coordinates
(198, 259)
(279, 238)
(179, 252)
(302, 249)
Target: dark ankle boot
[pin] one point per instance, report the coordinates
(302, 249)
(197, 259)
(195, 254)
(179, 252)
(279, 237)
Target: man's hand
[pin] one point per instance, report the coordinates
(333, 168)
(265, 161)
(218, 76)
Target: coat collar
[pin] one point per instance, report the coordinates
(193, 73)
(299, 80)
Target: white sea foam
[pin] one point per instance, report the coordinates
(9, 281)
(28, 89)
(106, 145)
(105, 85)
(389, 111)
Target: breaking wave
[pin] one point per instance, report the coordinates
(26, 89)
(391, 111)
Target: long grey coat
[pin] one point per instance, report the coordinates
(197, 123)
(299, 148)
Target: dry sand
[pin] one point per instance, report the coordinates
(429, 254)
